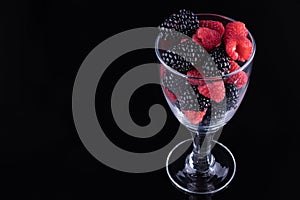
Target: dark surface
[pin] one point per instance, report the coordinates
(43, 44)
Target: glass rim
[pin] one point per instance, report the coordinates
(245, 65)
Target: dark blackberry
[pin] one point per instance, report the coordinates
(185, 21)
(209, 68)
(190, 22)
(219, 56)
(203, 101)
(190, 99)
(170, 28)
(232, 96)
(184, 56)
(176, 62)
(217, 64)
(191, 52)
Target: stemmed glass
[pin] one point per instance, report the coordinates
(208, 166)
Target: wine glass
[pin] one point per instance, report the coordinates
(207, 166)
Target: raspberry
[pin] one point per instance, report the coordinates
(214, 25)
(235, 28)
(233, 66)
(172, 97)
(207, 38)
(214, 90)
(239, 79)
(196, 80)
(238, 48)
(220, 59)
(195, 117)
(196, 39)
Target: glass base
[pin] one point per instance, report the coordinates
(215, 179)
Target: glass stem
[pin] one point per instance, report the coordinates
(200, 161)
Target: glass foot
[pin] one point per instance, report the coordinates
(218, 177)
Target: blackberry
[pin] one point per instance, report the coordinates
(219, 56)
(190, 99)
(176, 62)
(191, 52)
(190, 22)
(203, 101)
(232, 96)
(209, 68)
(217, 64)
(185, 22)
(187, 55)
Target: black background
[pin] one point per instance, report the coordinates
(43, 44)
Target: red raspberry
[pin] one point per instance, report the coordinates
(195, 117)
(196, 39)
(172, 97)
(235, 28)
(239, 79)
(214, 25)
(238, 48)
(207, 38)
(195, 81)
(233, 66)
(214, 90)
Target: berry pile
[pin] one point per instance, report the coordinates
(204, 88)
